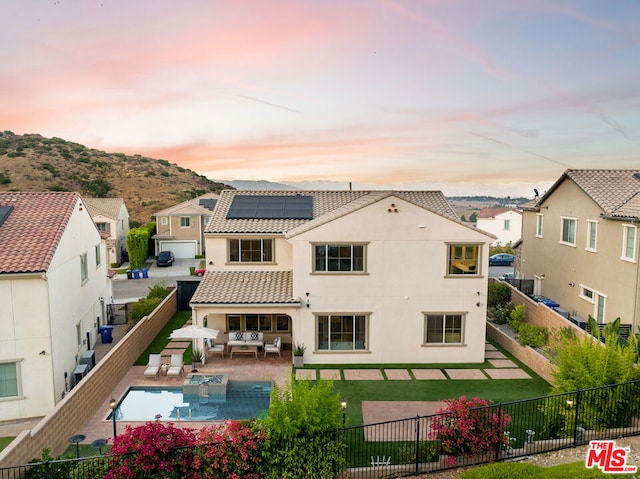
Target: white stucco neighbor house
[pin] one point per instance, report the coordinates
(111, 216)
(356, 276)
(53, 281)
(504, 223)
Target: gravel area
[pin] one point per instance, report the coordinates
(547, 459)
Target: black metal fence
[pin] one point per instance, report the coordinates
(407, 447)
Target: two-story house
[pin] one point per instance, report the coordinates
(356, 276)
(111, 216)
(53, 284)
(504, 223)
(180, 228)
(580, 244)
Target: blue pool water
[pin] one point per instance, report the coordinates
(244, 400)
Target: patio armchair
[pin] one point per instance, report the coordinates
(176, 368)
(153, 368)
(273, 348)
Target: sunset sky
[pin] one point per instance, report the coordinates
(467, 96)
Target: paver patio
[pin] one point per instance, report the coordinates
(465, 374)
(428, 374)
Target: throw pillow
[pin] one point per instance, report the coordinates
(254, 336)
(275, 342)
(239, 335)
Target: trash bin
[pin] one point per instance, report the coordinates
(136, 274)
(106, 333)
(145, 273)
(129, 274)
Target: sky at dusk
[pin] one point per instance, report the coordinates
(466, 96)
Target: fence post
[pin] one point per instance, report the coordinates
(575, 419)
(417, 455)
(499, 443)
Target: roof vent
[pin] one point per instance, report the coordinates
(637, 175)
(4, 213)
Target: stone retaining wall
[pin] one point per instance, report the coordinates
(81, 403)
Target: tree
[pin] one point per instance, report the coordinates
(138, 246)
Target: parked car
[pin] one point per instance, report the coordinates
(506, 276)
(501, 259)
(165, 258)
(199, 272)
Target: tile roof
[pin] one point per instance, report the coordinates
(107, 207)
(189, 207)
(493, 212)
(327, 205)
(246, 287)
(32, 231)
(615, 191)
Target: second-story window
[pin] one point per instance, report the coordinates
(164, 221)
(185, 221)
(339, 257)
(463, 259)
(507, 225)
(629, 243)
(539, 225)
(250, 250)
(568, 233)
(84, 273)
(592, 235)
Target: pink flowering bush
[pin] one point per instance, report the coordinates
(469, 428)
(231, 450)
(155, 449)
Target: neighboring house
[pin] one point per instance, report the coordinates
(357, 276)
(53, 281)
(180, 229)
(504, 223)
(111, 216)
(580, 244)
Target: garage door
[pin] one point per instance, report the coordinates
(181, 249)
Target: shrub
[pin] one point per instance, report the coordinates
(153, 450)
(143, 308)
(534, 336)
(498, 294)
(469, 428)
(428, 451)
(158, 290)
(4, 179)
(502, 313)
(97, 188)
(230, 450)
(138, 246)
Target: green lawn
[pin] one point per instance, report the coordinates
(5, 441)
(162, 339)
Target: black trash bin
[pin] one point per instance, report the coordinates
(129, 274)
(106, 333)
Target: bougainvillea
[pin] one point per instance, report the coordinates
(155, 449)
(469, 428)
(229, 451)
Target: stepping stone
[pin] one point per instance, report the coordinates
(503, 363)
(465, 374)
(363, 375)
(306, 374)
(494, 355)
(506, 373)
(428, 374)
(397, 374)
(490, 347)
(330, 374)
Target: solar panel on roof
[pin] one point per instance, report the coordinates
(295, 207)
(208, 203)
(4, 213)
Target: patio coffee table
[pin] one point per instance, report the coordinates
(244, 349)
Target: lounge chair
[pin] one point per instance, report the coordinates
(153, 368)
(176, 368)
(273, 348)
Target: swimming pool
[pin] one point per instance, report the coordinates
(244, 400)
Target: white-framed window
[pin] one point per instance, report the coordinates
(164, 221)
(539, 225)
(98, 258)
(568, 231)
(339, 258)
(599, 301)
(10, 379)
(341, 332)
(185, 222)
(280, 323)
(463, 259)
(84, 272)
(629, 243)
(443, 328)
(586, 293)
(592, 235)
(250, 250)
(506, 225)
(105, 227)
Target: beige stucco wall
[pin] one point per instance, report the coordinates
(41, 314)
(602, 271)
(406, 277)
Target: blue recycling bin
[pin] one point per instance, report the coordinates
(136, 274)
(106, 333)
(145, 273)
